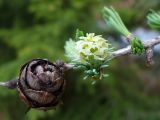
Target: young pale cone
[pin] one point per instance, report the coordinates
(89, 48)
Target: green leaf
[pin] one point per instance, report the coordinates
(114, 21)
(78, 34)
(154, 19)
(104, 66)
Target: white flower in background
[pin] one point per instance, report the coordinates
(88, 49)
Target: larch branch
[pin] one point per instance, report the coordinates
(127, 50)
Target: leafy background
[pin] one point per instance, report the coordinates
(39, 28)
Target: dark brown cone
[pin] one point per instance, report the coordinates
(41, 83)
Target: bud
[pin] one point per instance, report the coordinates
(41, 83)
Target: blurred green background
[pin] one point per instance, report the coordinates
(39, 28)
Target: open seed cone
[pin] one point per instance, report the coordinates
(41, 83)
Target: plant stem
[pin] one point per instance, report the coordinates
(127, 50)
(12, 84)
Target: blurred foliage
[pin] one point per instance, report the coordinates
(39, 28)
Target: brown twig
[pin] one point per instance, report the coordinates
(12, 84)
(127, 50)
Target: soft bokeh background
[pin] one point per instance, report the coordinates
(39, 28)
